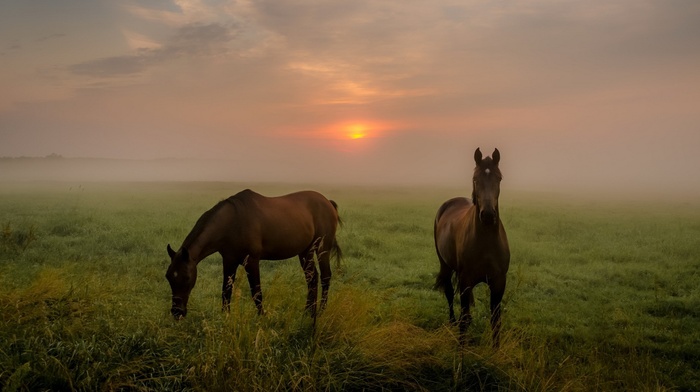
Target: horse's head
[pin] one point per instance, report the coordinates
(487, 186)
(182, 274)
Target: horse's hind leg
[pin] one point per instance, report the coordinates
(443, 282)
(230, 267)
(252, 269)
(324, 264)
(311, 274)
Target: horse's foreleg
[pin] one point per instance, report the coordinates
(230, 267)
(450, 295)
(252, 269)
(497, 291)
(443, 282)
(465, 318)
(311, 276)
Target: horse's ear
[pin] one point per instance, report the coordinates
(171, 252)
(496, 156)
(477, 156)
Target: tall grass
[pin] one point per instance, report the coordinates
(600, 297)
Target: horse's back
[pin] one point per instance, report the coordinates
(282, 226)
(449, 223)
(322, 211)
(452, 213)
(304, 207)
(311, 199)
(304, 201)
(452, 207)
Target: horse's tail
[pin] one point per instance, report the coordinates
(444, 277)
(335, 205)
(337, 253)
(335, 248)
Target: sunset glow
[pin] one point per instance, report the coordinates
(377, 91)
(357, 131)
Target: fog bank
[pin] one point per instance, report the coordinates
(453, 172)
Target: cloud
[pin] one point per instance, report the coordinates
(192, 40)
(51, 37)
(113, 66)
(168, 17)
(138, 41)
(16, 46)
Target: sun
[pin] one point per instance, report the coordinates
(354, 134)
(356, 131)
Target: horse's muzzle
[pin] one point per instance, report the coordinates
(488, 217)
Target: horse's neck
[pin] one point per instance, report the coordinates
(201, 247)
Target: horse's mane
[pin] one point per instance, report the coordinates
(203, 221)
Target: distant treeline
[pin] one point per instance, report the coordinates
(50, 156)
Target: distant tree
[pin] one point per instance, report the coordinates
(53, 155)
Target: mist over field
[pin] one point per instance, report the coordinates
(599, 177)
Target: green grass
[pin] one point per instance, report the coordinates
(601, 296)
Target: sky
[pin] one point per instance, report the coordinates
(587, 94)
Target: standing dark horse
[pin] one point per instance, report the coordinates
(249, 227)
(471, 241)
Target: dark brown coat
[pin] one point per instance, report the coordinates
(470, 241)
(249, 227)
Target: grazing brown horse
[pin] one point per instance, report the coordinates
(249, 227)
(470, 241)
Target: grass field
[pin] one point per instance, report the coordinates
(601, 296)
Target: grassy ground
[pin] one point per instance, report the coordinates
(601, 296)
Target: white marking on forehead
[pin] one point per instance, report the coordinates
(174, 274)
(487, 171)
